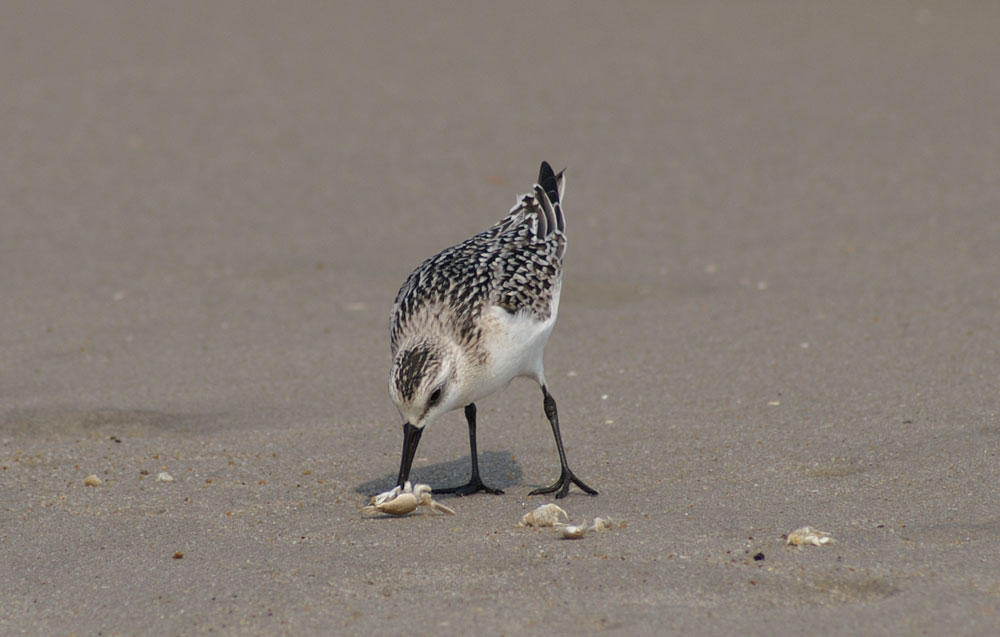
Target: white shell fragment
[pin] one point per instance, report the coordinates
(571, 532)
(386, 496)
(403, 500)
(807, 535)
(163, 476)
(576, 531)
(545, 515)
(92, 481)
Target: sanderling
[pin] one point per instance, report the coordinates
(474, 317)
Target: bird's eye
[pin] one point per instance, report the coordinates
(435, 397)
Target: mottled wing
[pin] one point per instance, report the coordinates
(516, 264)
(527, 266)
(448, 289)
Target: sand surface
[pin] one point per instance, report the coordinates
(780, 308)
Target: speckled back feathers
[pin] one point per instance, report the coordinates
(515, 265)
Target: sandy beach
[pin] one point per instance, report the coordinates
(780, 308)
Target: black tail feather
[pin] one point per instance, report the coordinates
(547, 180)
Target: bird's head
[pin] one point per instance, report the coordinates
(422, 382)
(423, 385)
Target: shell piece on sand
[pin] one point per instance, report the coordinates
(163, 476)
(93, 481)
(404, 500)
(571, 532)
(545, 515)
(437, 506)
(576, 531)
(808, 535)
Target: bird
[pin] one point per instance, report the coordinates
(475, 316)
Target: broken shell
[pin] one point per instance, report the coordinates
(573, 532)
(403, 500)
(92, 481)
(601, 524)
(807, 535)
(388, 495)
(422, 492)
(401, 505)
(545, 515)
(163, 476)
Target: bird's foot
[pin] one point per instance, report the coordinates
(475, 485)
(562, 485)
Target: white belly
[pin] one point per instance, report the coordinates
(516, 344)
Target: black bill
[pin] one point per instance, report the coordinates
(411, 438)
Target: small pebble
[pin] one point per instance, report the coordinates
(93, 481)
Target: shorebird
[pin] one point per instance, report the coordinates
(474, 317)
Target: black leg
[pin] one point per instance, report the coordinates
(475, 483)
(566, 477)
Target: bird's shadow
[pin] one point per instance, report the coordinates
(498, 469)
